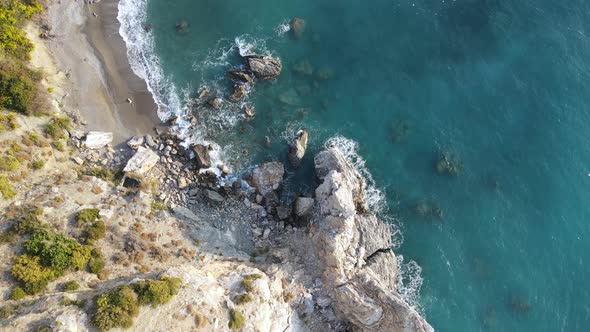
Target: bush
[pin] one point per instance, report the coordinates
(37, 164)
(18, 87)
(6, 188)
(236, 319)
(57, 126)
(95, 232)
(242, 298)
(116, 309)
(48, 256)
(17, 293)
(247, 282)
(87, 216)
(8, 163)
(7, 122)
(154, 292)
(96, 262)
(159, 206)
(71, 285)
(13, 41)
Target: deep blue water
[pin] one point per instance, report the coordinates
(503, 85)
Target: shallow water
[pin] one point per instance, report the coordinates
(503, 85)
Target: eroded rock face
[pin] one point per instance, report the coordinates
(359, 267)
(297, 148)
(264, 67)
(98, 139)
(268, 177)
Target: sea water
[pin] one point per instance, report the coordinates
(503, 86)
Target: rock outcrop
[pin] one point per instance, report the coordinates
(297, 148)
(268, 177)
(359, 267)
(202, 156)
(264, 67)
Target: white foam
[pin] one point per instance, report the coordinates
(248, 45)
(283, 28)
(409, 282)
(375, 198)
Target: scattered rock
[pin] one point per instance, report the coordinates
(283, 212)
(264, 67)
(216, 103)
(250, 112)
(303, 206)
(215, 196)
(268, 177)
(266, 234)
(297, 148)
(149, 141)
(241, 75)
(98, 139)
(182, 183)
(240, 92)
(135, 142)
(202, 156)
(78, 160)
(204, 92)
(297, 27)
(141, 163)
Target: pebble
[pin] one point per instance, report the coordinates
(266, 234)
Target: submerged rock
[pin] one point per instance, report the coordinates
(297, 148)
(268, 177)
(182, 26)
(202, 156)
(98, 139)
(216, 103)
(448, 164)
(241, 75)
(250, 112)
(264, 67)
(297, 26)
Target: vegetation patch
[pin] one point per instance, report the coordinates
(6, 189)
(118, 307)
(242, 298)
(19, 89)
(236, 319)
(56, 127)
(159, 206)
(8, 163)
(247, 282)
(17, 293)
(7, 122)
(93, 228)
(70, 286)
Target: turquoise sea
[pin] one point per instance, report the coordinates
(502, 85)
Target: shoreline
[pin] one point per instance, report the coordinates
(93, 56)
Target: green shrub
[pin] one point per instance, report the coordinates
(242, 298)
(17, 293)
(71, 285)
(96, 262)
(247, 282)
(37, 164)
(57, 126)
(47, 256)
(116, 309)
(7, 311)
(236, 319)
(13, 40)
(18, 87)
(7, 122)
(154, 292)
(159, 206)
(8, 163)
(95, 232)
(59, 146)
(87, 216)
(6, 188)
(65, 301)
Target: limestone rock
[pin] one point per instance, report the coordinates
(297, 26)
(202, 156)
(268, 177)
(303, 206)
(98, 139)
(141, 163)
(297, 148)
(359, 267)
(264, 67)
(135, 142)
(215, 196)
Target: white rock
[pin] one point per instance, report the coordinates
(266, 234)
(98, 139)
(141, 163)
(135, 142)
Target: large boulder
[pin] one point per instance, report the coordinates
(240, 92)
(264, 67)
(354, 247)
(241, 75)
(202, 156)
(303, 206)
(297, 148)
(268, 177)
(141, 163)
(98, 139)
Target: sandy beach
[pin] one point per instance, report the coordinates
(89, 52)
